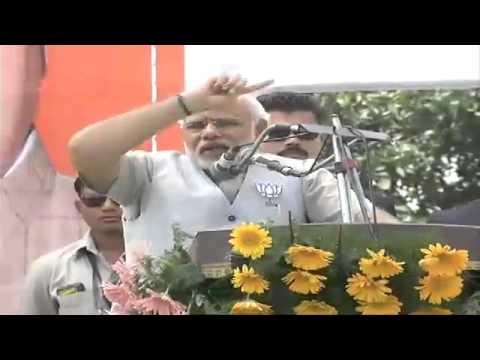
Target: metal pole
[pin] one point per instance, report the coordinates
(343, 188)
(153, 84)
(357, 188)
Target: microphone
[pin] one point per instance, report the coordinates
(226, 167)
(235, 161)
(275, 165)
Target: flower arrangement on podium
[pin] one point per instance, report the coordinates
(299, 274)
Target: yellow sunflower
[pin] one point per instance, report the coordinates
(432, 311)
(437, 288)
(314, 308)
(308, 258)
(442, 260)
(250, 240)
(391, 306)
(249, 281)
(303, 282)
(364, 288)
(251, 307)
(380, 265)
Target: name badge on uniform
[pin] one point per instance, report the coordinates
(70, 289)
(271, 192)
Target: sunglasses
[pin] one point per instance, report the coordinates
(281, 135)
(97, 201)
(308, 136)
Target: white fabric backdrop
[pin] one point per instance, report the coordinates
(340, 67)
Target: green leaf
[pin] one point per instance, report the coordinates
(186, 277)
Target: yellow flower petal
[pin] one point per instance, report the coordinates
(380, 265)
(442, 260)
(432, 311)
(251, 307)
(364, 288)
(391, 306)
(303, 282)
(436, 288)
(314, 308)
(308, 258)
(248, 281)
(250, 240)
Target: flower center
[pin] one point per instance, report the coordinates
(250, 239)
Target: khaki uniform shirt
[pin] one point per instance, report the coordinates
(63, 283)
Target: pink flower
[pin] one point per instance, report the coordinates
(119, 294)
(117, 309)
(124, 272)
(160, 304)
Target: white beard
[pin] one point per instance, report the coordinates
(201, 162)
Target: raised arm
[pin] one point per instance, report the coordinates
(96, 151)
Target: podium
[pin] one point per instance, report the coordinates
(348, 242)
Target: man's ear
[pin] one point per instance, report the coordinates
(261, 125)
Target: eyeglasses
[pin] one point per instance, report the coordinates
(220, 124)
(96, 201)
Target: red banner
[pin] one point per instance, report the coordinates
(88, 83)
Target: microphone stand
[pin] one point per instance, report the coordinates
(341, 170)
(347, 177)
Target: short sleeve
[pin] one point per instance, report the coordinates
(37, 299)
(136, 171)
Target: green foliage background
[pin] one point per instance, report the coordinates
(433, 160)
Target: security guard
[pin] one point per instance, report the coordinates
(68, 281)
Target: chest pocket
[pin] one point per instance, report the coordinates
(76, 304)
